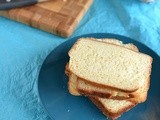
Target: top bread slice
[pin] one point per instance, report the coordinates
(73, 82)
(109, 65)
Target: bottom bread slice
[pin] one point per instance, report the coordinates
(112, 108)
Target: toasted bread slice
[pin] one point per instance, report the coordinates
(108, 65)
(112, 108)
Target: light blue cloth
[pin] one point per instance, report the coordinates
(23, 50)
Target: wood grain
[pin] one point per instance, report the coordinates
(56, 16)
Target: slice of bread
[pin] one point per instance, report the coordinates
(108, 65)
(103, 92)
(112, 108)
(89, 89)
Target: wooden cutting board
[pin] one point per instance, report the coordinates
(59, 17)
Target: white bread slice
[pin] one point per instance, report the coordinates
(108, 65)
(104, 92)
(89, 89)
(112, 108)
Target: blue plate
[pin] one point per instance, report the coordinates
(61, 105)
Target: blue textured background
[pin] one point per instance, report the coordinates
(23, 50)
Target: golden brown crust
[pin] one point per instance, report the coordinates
(107, 112)
(94, 93)
(104, 95)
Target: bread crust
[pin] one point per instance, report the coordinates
(94, 93)
(108, 113)
(104, 95)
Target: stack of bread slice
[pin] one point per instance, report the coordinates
(113, 75)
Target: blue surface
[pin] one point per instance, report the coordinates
(23, 50)
(53, 88)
